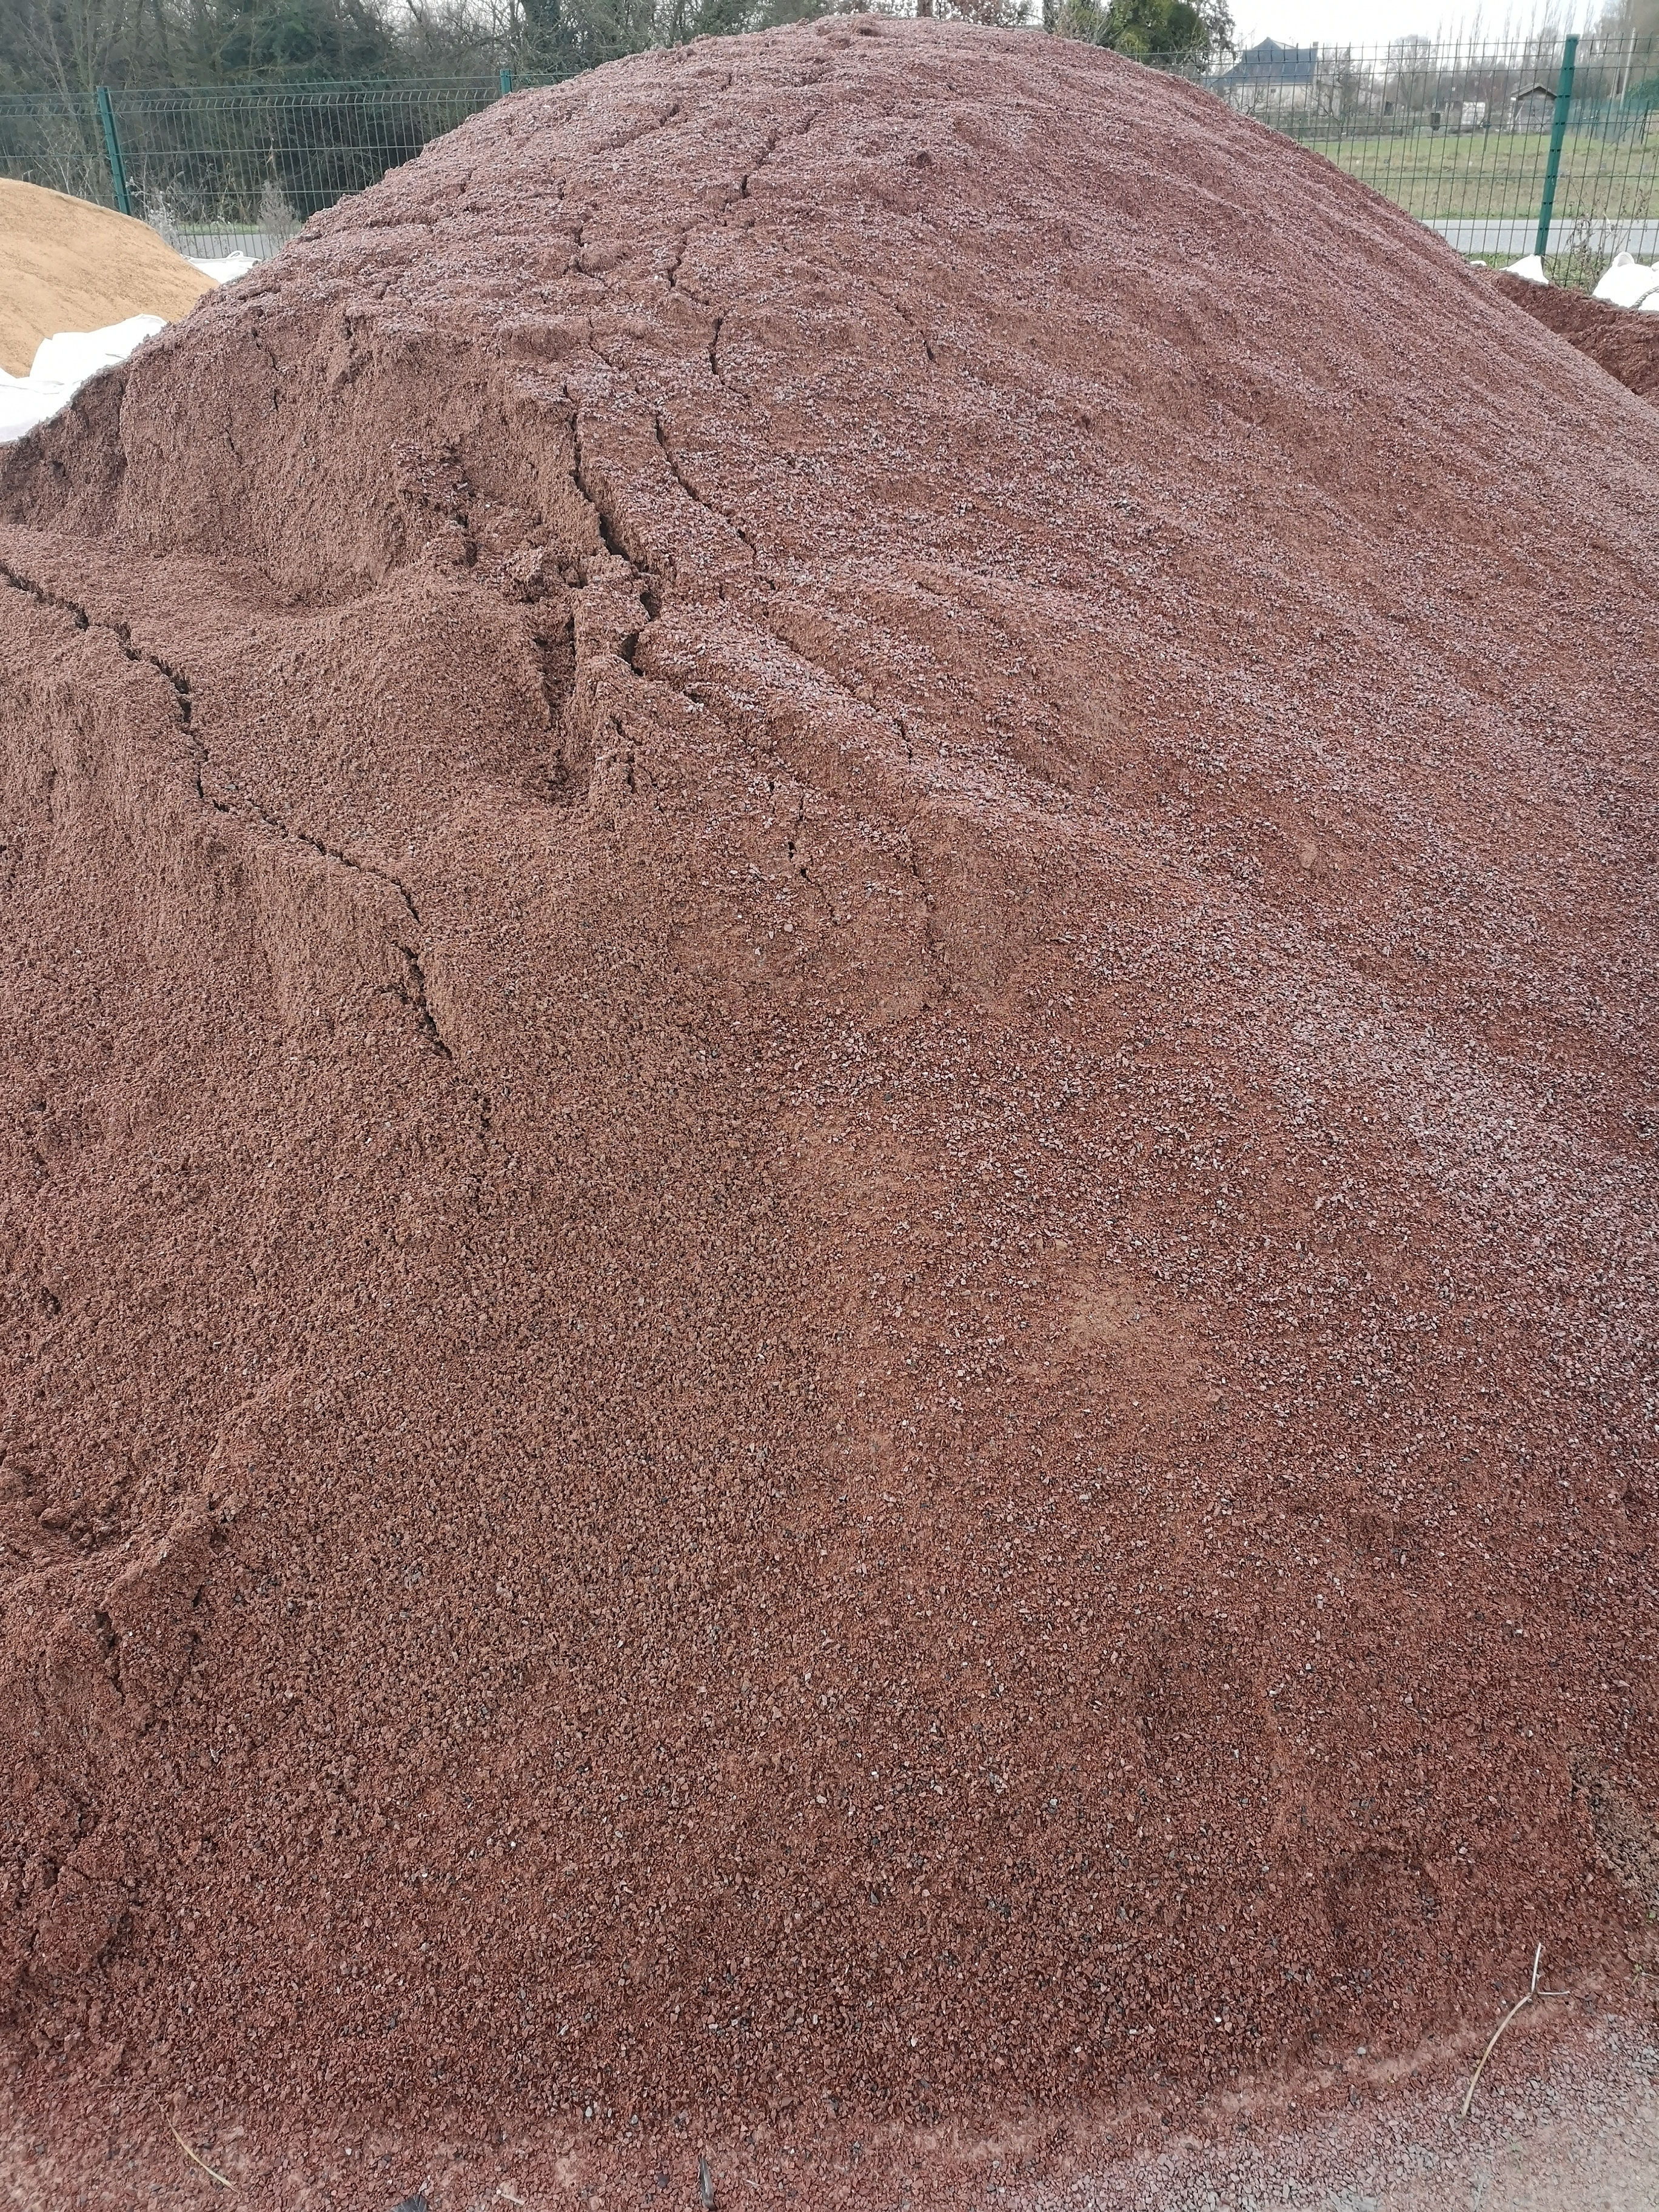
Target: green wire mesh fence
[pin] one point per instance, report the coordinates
(221, 172)
(1545, 145)
(55, 143)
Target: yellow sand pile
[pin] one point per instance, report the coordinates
(68, 265)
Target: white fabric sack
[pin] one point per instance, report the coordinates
(70, 357)
(1627, 282)
(1532, 269)
(227, 270)
(62, 365)
(23, 404)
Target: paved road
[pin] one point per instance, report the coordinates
(1510, 236)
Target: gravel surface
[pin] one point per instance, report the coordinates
(1622, 340)
(828, 981)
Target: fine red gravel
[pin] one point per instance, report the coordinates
(1621, 340)
(829, 976)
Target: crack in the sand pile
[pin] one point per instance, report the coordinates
(693, 494)
(800, 866)
(112, 627)
(646, 129)
(683, 239)
(771, 148)
(413, 991)
(726, 205)
(609, 526)
(904, 316)
(265, 348)
(111, 1643)
(610, 523)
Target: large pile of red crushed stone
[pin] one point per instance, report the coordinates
(1618, 339)
(828, 973)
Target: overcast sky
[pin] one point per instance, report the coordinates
(1374, 23)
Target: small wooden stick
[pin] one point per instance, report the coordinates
(212, 2172)
(1519, 2005)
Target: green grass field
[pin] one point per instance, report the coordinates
(1436, 175)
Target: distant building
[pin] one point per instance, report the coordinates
(1271, 64)
(1456, 115)
(1533, 109)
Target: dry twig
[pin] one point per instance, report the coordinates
(1519, 2005)
(211, 2171)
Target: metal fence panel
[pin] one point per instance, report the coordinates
(239, 170)
(54, 142)
(1460, 136)
(231, 170)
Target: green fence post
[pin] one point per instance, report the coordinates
(507, 83)
(117, 175)
(1557, 132)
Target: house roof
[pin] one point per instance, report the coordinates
(1268, 63)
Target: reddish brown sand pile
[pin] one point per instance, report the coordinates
(1622, 341)
(827, 973)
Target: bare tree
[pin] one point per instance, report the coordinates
(1636, 19)
(69, 46)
